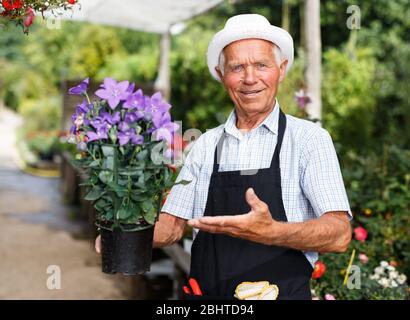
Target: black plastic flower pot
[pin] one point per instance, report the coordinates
(126, 252)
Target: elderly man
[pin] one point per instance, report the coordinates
(266, 192)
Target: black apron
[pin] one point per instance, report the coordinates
(220, 262)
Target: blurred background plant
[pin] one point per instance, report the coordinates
(364, 89)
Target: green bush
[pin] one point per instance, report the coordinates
(378, 188)
(41, 115)
(348, 97)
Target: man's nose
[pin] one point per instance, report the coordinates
(250, 76)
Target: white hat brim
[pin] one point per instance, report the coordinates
(276, 35)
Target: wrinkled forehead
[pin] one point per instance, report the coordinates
(247, 49)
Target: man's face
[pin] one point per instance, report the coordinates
(251, 75)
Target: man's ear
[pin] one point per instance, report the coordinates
(218, 71)
(282, 71)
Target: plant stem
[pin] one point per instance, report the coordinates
(349, 266)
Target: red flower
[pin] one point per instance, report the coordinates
(71, 1)
(9, 5)
(360, 234)
(29, 17)
(319, 270)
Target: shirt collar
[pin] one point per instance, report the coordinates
(270, 122)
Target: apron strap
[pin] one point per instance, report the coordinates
(275, 157)
(281, 133)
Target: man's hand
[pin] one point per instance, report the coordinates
(331, 232)
(168, 230)
(257, 225)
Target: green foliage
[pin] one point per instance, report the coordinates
(35, 112)
(125, 185)
(43, 144)
(198, 99)
(94, 46)
(141, 67)
(378, 188)
(348, 97)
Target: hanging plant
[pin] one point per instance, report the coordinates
(23, 12)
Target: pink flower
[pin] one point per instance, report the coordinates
(360, 234)
(363, 258)
(29, 17)
(329, 296)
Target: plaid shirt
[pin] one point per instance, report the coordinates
(312, 183)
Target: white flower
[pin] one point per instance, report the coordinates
(390, 268)
(72, 139)
(383, 282)
(393, 274)
(374, 277)
(401, 279)
(384, 263)
(379, 270)
(393, 284)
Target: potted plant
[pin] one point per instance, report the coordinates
(124, 140)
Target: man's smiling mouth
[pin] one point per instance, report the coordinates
(250, 93)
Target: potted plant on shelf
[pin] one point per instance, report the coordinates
(124, 140)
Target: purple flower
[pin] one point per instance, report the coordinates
(163, 134)
(125, 136)
(130, 88)
(124, 126)
(81, 88)
(160, 120)
(113, 92)
(73, 129)
(131, 117)
(84, 107)
(82, 146)
(302, 98)
(101, 133)
(135, 101)
(78, 118)
(108, 118)
(155, 106)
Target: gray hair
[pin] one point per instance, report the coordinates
(277, 54)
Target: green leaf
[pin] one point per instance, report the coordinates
(142, 155)
(138, 197)
(149, 211)
(124, 213)
(94, 164)
(94, 194)
(102, 205)
(108, 163)
(106, 176)
(129, 172)
(108, 151)
(119, 190)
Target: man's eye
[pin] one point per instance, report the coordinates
(261, 65)
(236, 68)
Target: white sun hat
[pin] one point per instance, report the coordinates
(248, 26)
